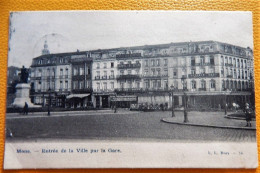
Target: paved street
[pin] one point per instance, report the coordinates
(122, 125)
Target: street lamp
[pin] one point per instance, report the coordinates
(49, 91)
(172, 89)
(183, 80)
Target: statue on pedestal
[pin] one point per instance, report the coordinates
(22, 91)
(24, 75)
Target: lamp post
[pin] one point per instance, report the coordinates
(183, 80)
(225, 104)
(49, 91)
(115, 103)
(172, 89)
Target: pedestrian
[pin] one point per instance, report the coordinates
(248, 112)
(25, 109)
(115, 108)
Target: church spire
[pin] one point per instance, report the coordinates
(45, 50)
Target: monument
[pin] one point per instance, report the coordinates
(22, 91)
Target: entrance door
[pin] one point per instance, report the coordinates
(105, 102)
(97, 101)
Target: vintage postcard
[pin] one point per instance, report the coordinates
(130, 89)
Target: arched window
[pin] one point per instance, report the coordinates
(211, 60)
(192, 61)
(67, 72)
(202, 60)
(203, 84)
(212, 83)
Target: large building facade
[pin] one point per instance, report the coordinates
(210, 73)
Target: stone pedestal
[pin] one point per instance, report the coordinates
(22, 96)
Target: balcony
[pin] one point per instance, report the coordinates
(229, 76)
(111, 77)
(228, 64)
(154, 76)
(204, 64)
(97, 77)
(202, 89)
(128, 76)
(124, 66)
(146, 90)
(104, 77)
(203, 75)
(103, 90)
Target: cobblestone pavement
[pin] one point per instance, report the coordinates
(122, 125)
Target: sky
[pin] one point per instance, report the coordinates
(87, 30)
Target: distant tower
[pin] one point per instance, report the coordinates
(45, 50)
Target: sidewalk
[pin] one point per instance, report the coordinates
(68, 113)
(209, 119)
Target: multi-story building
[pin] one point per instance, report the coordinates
(208, 72)
(51, 74)
(81, 81)
(104, 77)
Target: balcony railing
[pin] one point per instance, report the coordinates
(111, 77)
(104, 77)
(229, 76)
(155, 76)
(103, 90)
(123, 66)
(128, 76)
(202, 89)
(204, 64)
(120, 90)
(203, 75)
(228, 64)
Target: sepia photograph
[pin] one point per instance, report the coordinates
(131, 89)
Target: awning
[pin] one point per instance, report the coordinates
(77, 95)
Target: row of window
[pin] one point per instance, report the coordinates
(80, 71)
(53, 61)
(81, 84)
(202, 60)
(51, 85)
(105, 65)
(156, 71)
(155, 62)
(235, 62)
(50, 72)
(203, 84)
(239, 74)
